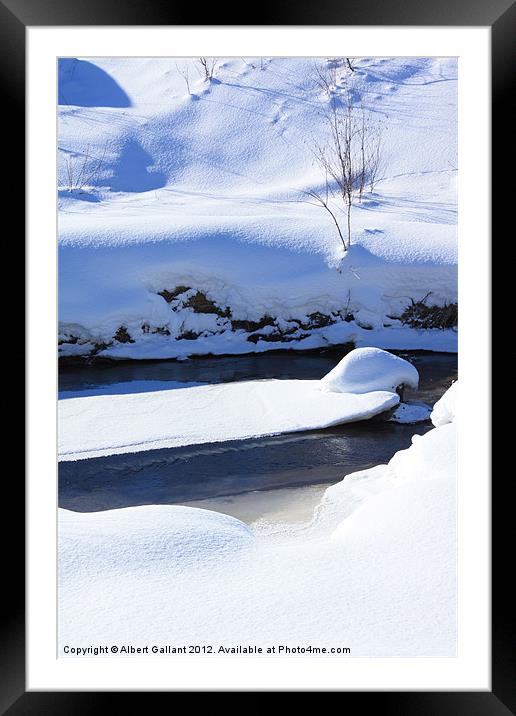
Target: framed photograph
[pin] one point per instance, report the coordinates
(258, 349)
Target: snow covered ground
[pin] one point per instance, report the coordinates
(374, 570)
(363, 384)
(183, 228)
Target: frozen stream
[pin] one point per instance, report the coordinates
(272, 478)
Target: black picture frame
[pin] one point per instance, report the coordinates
(15, 17)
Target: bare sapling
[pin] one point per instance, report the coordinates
(350, 157)
(184, 71)
(337, 156)
(325, 77)
(370, 148)
(323, 199)
(83, 172)
(362, 139)
(374, 156)
(207, 67)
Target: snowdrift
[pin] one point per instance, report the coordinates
(374, 570)
(361, 386)
(183, 225)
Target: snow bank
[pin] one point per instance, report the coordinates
(444, 409)
(343, 498)
(414, 522)
(431, 457)
(109, 424)
(367, 369)
(401, 518)
(203, 191)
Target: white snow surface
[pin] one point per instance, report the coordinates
(375, 570)
(204, 189)
(445, 407)
(148, 537)
(107, 424)
(430, 456)
(364, 370)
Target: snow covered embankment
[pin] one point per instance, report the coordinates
(193, 236)
(362, 385)
(431, 456)
(374, 571)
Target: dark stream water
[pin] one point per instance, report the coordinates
(212, 470)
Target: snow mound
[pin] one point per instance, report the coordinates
(445, 409)
(146, 537)
(368, 369)
(431, 456)
(113, 424)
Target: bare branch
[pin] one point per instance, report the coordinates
(325, 77)
(323, 202)
(84, 172)
(207, 67)
(184, 71)
(350, 157)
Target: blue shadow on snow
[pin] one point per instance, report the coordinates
(83, 84)
(131, 173)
